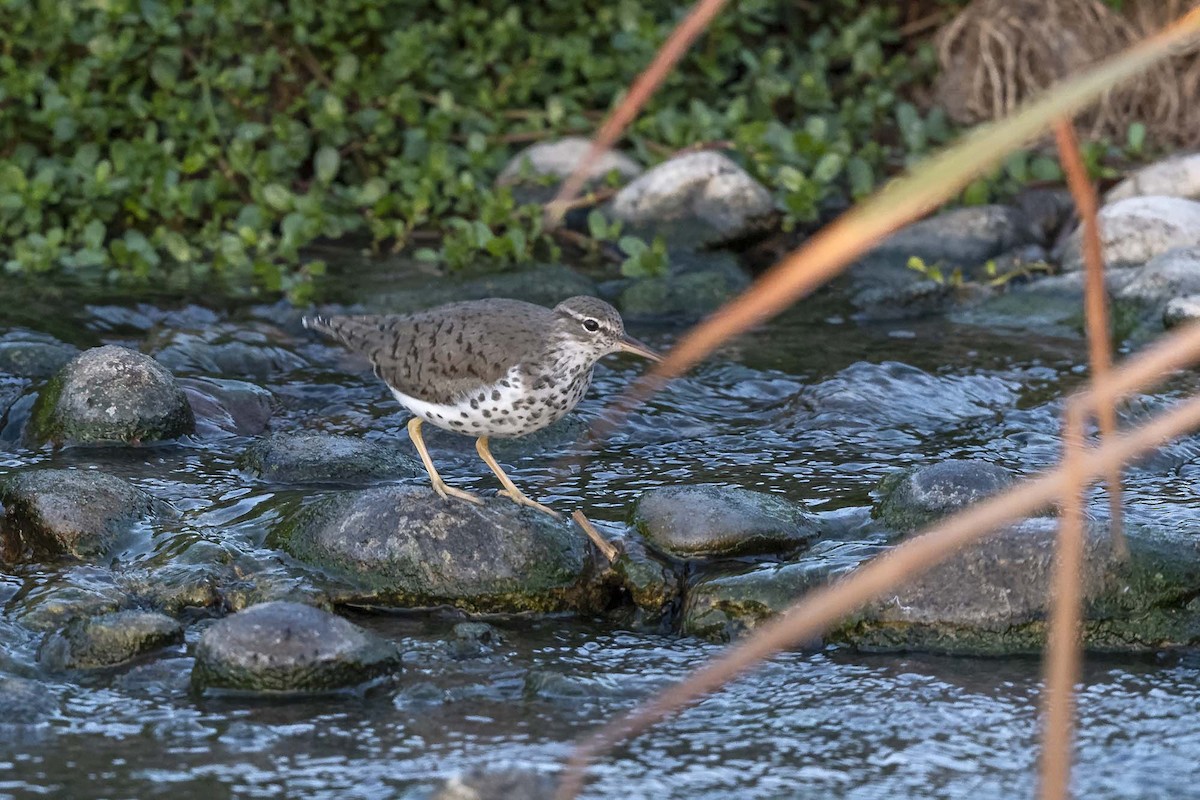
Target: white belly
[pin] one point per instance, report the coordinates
(497, 414)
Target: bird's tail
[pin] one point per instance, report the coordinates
(320, 324)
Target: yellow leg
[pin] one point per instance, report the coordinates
(439, 485)
(510, 489)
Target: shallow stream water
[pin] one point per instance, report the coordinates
(813, 406)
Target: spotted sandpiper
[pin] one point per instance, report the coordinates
(492, 368)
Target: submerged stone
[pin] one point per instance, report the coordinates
(405, 546)
(33, 355)
(912, 499)
(225, 350)
(654, 587)
(108, 640)
(325, 457)
(717, 522)
(228, 406)
(50, 513)
(112, 394)
(289, 647)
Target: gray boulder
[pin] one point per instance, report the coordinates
(50, 513)
(405, 546)
(108, 640)
(721, 522)
(988, 599)
(912, 499)
(961, 237)
(1136, 229)
(289, 647)
(1177, 176)
(324, 458)
(696, 199)
(1168, 275)
(555, 160)
(112, 394)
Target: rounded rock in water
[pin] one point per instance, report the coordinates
(50, 513)
(108, 640)
(289, 647)
(715, 522)
(112, 394)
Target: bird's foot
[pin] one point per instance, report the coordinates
(521, 500)
(446, 491)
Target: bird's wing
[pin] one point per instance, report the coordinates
(438, 356)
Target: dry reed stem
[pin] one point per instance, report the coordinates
(1063, 644)
(606, 548)
(642, 89)
(1095, 302)
(816, 611)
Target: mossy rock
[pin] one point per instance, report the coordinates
(51, 513)
(405, 546)
(284, 647)
(108, 640)
(914, 498)
(325, 457)
(111, 395)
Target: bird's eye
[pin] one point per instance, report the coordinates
(591, 325)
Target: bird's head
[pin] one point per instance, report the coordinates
(595, 326)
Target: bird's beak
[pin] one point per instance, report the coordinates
(628, 344)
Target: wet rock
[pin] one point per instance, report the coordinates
(142, 318)
(227, 406)
(1052, 306)
(1181, 311)
(33, 355)
(1137, 229)
(546, 285)
(557, 159)
(498, 784)
(692, 290)
(325, 458)
(474, 639)
(723, 607)
(49, 513)
(226, 351)
(696, 199)
(718, 522)
(655, 587)
(108, 640)
(1166, 276)
(405, 546)
(111, 394)
(912, 499)
(1177, 176)
(58, 604)
(959, 237)
(288, 647)
(988, 599)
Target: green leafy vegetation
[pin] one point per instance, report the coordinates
(162, 142)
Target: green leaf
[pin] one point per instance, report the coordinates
(277, 196)
(1136, 137)
(632, 246)
(327, 162)
(827, 168)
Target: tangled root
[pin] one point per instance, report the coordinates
(996, 54)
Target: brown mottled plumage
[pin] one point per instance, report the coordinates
(486, 368)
